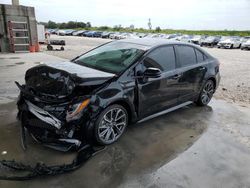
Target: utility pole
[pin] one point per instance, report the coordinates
(149, 24)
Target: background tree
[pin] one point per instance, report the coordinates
(52, 25)
(158, 29)
(88, 24)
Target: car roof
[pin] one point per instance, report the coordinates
(154, 42)
(151, 42)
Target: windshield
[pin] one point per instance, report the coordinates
(113, 57)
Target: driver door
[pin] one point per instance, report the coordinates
(157, 94)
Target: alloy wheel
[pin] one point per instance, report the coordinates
(112, 125)
(207, 92)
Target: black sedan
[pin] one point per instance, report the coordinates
(210, 41)
(96, 95)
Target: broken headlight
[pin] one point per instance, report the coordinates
(75, 111)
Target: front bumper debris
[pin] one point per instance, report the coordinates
(44, 115)
(27, 172)
(46, 128)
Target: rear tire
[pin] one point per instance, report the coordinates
(206, 93)
(111, 124)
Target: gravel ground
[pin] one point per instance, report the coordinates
(235, 66)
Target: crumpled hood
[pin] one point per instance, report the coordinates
(58, 80)
(80, 71)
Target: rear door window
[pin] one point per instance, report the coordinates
(162, 58)
(186, 55)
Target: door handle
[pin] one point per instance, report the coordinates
(202, 68)
(175, 77)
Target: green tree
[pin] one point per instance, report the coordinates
(62, 25)
(71, 24)
(158, 29)
(52, 25)
(103, 28)
(88, 24)
(81, 24)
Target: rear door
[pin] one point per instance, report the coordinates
(156, 94)
(191, 72)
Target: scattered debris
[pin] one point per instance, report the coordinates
(40, 169)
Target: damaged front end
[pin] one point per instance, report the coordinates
(54, 107)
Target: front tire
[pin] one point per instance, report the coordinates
(111, 124)
(206, 93)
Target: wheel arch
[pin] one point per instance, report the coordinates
(127, 106)
(214, 81)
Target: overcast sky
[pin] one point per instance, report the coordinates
(175, 14)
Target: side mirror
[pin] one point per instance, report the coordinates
(152, 72)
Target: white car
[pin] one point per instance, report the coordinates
(197, 39)
(128, 36)
(245, 45)
(229, 43)
(115, 35)
(61, 32)
(184, 38)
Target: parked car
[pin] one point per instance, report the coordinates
(95, 96)
(210, 41)
(52, 31)
(114, 35)
(84, 33)
(97, 34)
(126, 36)
(229, 43)
(90, 33)
(197, 39)
(69, 32)
(61, 32)
(120, 35)
(245, 45)
(78, 33)
(141, 35)
(184, 38)
(106, 34)
(151, 35)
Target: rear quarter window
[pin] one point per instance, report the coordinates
(200, 56)
(186, 55)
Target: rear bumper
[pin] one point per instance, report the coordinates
(217, 77)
